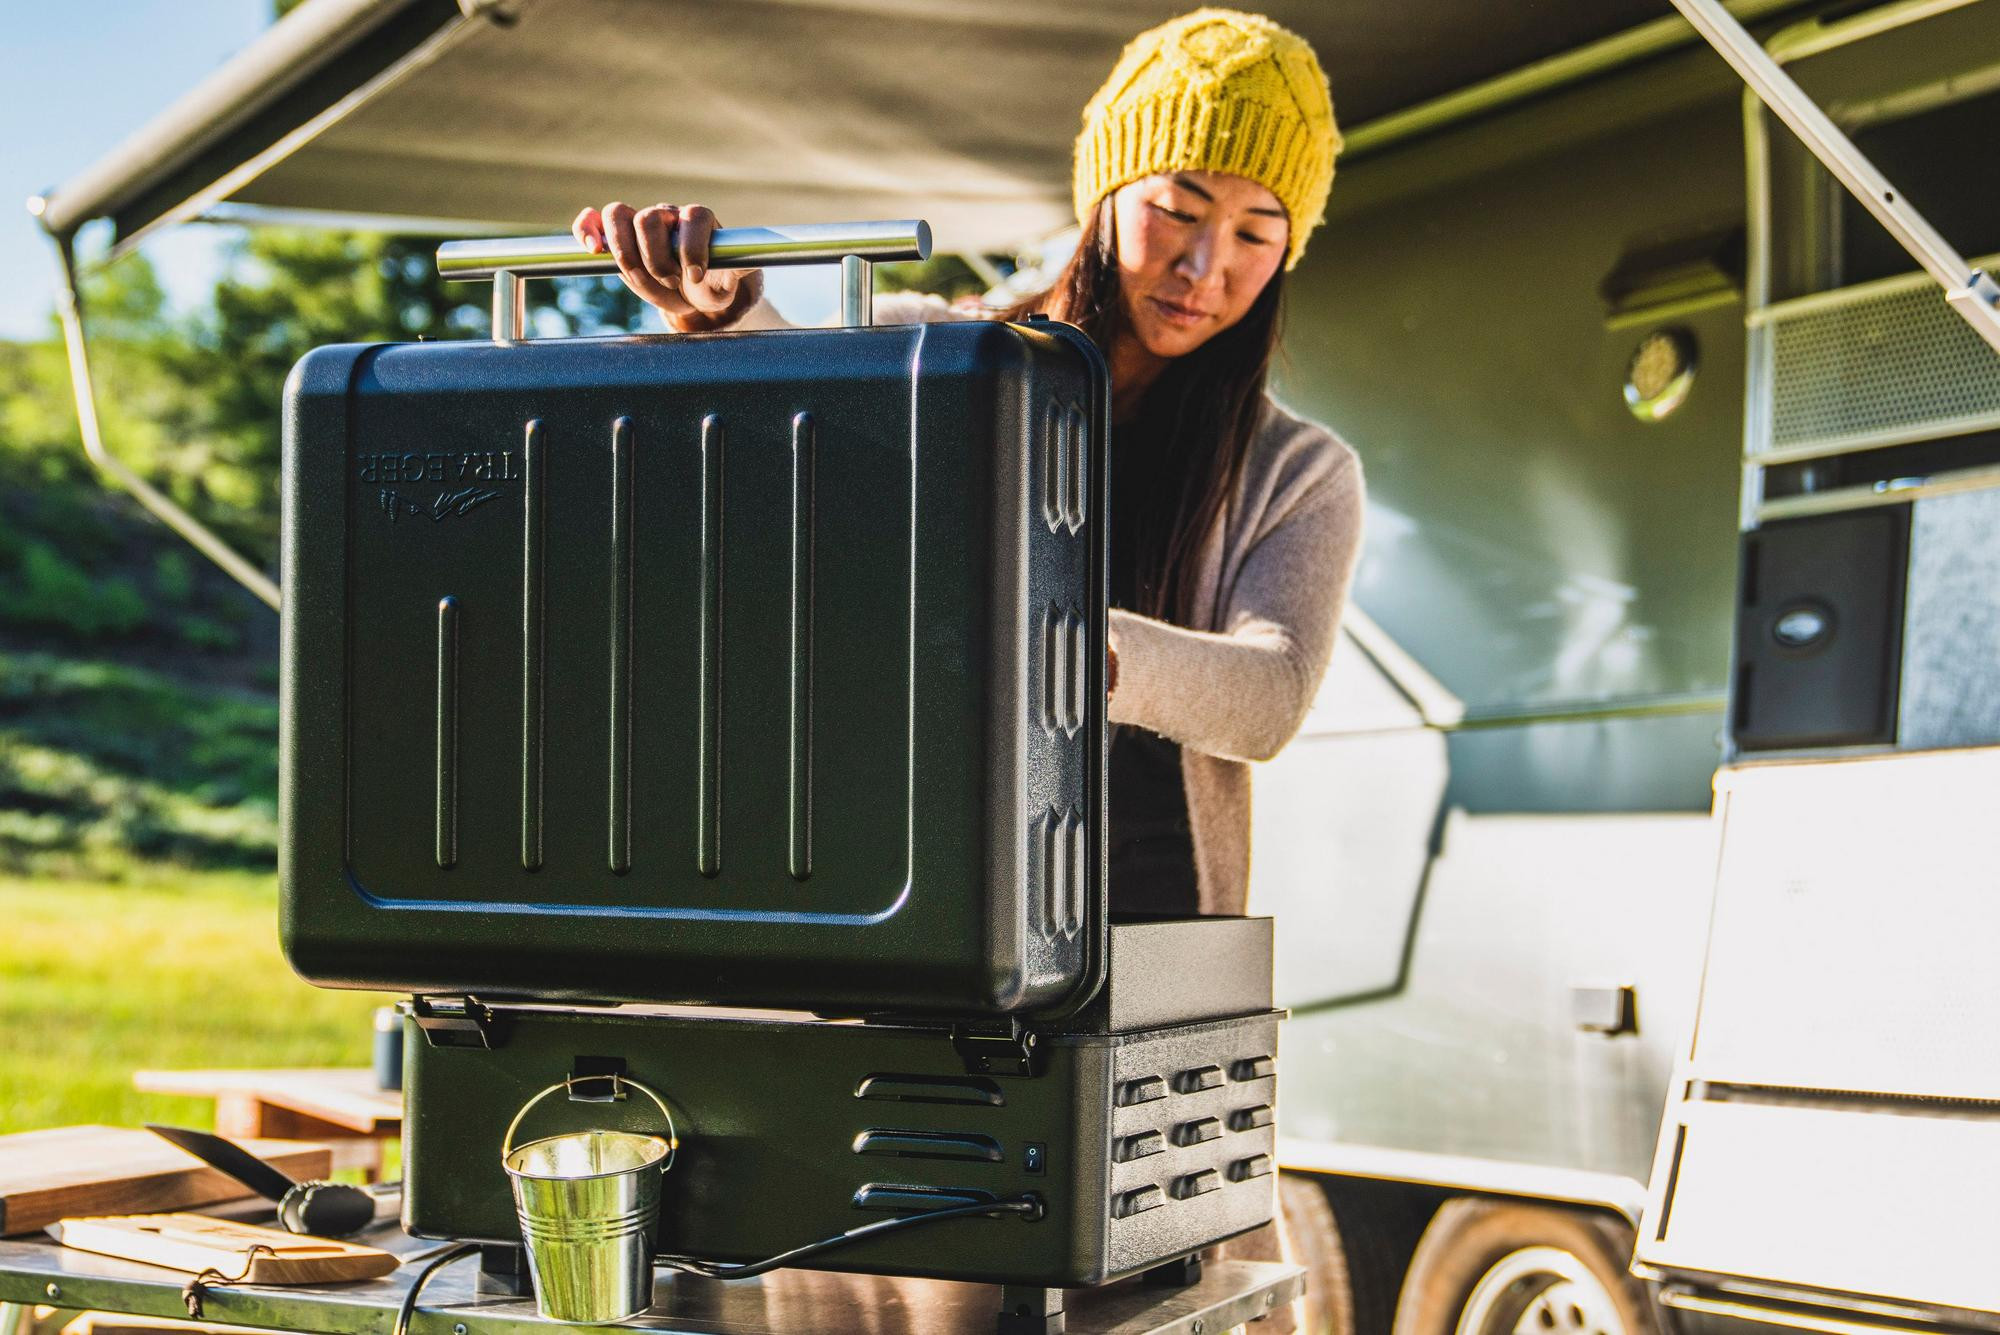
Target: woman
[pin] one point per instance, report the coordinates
(1203, 165)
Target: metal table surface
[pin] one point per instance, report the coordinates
(38, 1271)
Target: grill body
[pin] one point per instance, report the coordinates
(628, 680)
(748, 669)
(1144, 1143)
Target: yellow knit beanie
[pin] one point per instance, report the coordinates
(1216, 90)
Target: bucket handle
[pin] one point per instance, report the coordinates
(673, 1137)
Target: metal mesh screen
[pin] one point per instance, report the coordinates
(1885, 362)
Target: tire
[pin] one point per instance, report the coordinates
(1496, 1268)
(1380, 1223)
(1354, 1237)
(1317, 1245)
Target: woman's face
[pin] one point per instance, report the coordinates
(1195, 248)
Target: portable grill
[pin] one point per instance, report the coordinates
(629, 679)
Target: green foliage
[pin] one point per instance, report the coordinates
(53, 592)
(173, 577)
(208, 634)
(123, 789)
(106, 768)
(139, 401)
(289, 291)
(77, 562)
(79, 566)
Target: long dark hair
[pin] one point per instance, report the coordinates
(1203, 411)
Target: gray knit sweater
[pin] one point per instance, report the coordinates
(1272, 580)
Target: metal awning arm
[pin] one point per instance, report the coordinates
(1971, 292)
(69, 306)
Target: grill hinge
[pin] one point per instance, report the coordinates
(457, 1022)
(1010, 1051)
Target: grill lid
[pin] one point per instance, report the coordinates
(753, 669)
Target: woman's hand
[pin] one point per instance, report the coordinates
(662, 255)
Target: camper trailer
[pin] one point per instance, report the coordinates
(1633, 873)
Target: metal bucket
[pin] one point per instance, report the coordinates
(589, 1206)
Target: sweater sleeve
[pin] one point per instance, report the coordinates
(1242, 692)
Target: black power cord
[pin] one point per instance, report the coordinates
(439, 1258)
(1029, 1206)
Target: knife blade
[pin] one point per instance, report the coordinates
(228, 1157)
(323, 1209)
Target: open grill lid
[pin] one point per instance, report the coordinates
(467, 113)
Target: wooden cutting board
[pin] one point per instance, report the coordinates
(245, 1253)
(83, 1170)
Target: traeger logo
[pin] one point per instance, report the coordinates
(443, 466)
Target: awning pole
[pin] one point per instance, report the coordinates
(69, 307)
(1971, 292)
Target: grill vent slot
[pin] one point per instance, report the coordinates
(1196, 1184)
(1249, 1119)
(897, 1144)
(1245, 1170)
(894, 1088)
(1137, 1201)
(899, 1198)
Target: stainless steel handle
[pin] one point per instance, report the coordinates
(729, 248)
(510, 261)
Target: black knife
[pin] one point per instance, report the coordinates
(322, 1209)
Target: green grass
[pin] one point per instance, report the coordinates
(138, 900)
(101, 979)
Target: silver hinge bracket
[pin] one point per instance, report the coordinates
(1012, 1051)
(457, 1022)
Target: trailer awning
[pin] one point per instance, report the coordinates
(515, 113)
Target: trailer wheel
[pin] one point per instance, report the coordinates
(1354, 1237)
(1499, 1268)
(1317, 1245)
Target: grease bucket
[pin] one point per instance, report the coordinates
(589, 1206)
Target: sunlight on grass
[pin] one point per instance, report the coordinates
(98, 980)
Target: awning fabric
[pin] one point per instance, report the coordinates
(519, 112)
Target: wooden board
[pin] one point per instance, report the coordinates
(82, 1170)
(340, 1096)
(194, 1243)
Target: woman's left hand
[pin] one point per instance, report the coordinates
(662, 254)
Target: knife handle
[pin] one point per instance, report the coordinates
(326, 1209)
